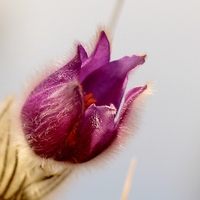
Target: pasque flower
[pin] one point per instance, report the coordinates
(74, 114)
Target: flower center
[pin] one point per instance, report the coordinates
(70, 140)
(88, 100)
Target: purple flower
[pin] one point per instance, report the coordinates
(71, 115)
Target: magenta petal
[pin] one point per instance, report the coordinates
(130, 98)
(99, 57)
(94, 133)
(83, 53)
(133, 93)
(108, 83)
(63, 75)
(47, 119)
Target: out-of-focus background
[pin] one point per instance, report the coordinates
(167, 144)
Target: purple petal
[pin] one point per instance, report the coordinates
(83, 53)
(94, 133)
(47, 118)
(99, 57)
(108, 83)
(64, 74)
(129, 101)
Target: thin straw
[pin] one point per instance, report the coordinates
(115, 15)
(128, 181)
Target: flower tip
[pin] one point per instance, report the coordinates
(144, 87)
(102, 33)
(144, 56)
(83, 54)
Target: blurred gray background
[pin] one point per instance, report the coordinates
(167, 144)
